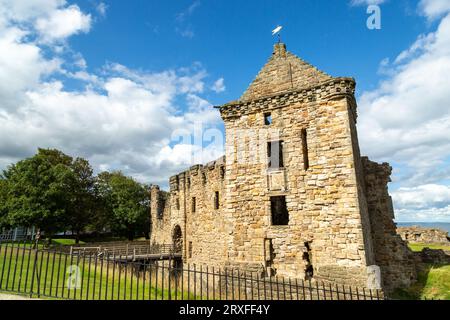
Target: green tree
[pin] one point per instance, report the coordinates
(3, 208)
(126, 203)
(39, 191)
(83, 204)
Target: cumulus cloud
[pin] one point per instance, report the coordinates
(407, 119)
(51, 20)
(63, 23)
(423, 197)
(122, 119)
(433, 9)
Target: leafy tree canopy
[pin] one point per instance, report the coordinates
(38, 190)
(126, 200)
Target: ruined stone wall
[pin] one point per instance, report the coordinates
(391, 253)
(203, 231)
(323, 201)
(206, 226)
(160, 228)
(423, 235)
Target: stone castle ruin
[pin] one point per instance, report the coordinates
(292, 196)
(424, 235)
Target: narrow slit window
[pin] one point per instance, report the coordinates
(267, 119)
(275, 154)
(194, 204)
(280, 213)
(217, 200)
(305, 149)
(177, 203)
(190, 250)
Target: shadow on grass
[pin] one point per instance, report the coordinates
(433, 283)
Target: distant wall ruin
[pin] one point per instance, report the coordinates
(423, 235)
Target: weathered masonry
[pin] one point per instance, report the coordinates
(292, 196)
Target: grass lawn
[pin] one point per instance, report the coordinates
(433, 283)
(417, 247)
(52, 276)
(433, 280)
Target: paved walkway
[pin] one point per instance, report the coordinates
(13, 297)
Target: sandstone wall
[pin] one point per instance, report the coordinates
(391, 253)
(160, 228)
(324, 202)
(203, 231)
(284, 71)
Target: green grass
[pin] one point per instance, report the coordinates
(417, 247)
(433, 283)
(51, 278)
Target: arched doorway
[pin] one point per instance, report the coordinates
(177, 239)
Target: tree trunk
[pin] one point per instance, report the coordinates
(130, 235)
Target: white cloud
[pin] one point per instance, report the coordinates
(21, 66)
(433, 9)
(123, 119)
(28, 10)
(219, 85)
(126, 128)
(407, 119)
(51, 20)
(423, 215)
(63, 23)
(422, 197)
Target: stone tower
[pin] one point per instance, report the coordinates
(292, 197)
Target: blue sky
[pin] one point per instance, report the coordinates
(120, 82)
(232, 39)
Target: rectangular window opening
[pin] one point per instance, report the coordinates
(275, 154)
(190, 250)
(280, 214)
(305, 149)
(268, 119)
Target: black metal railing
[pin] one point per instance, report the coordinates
(46, 272)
